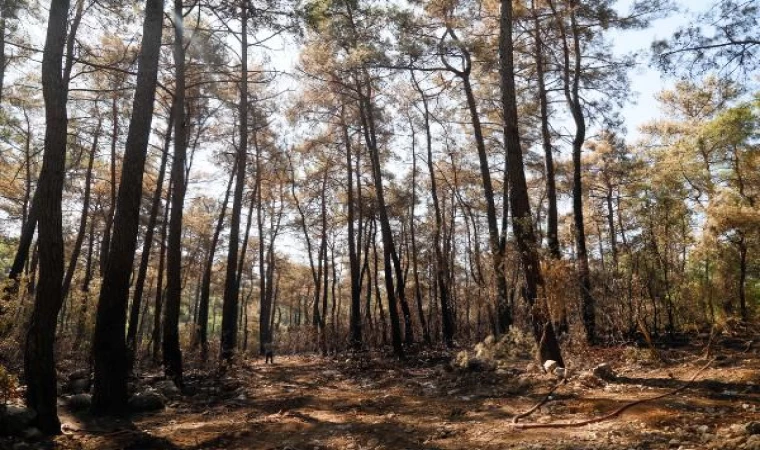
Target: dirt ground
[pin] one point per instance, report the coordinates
(309, 403)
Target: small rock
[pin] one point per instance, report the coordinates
(604, 371)
(589, 380)
(702, 429)
(147, 401)
(79, 402)
(79, 374)
(79, 385)
(752, 428)
(674, 443)
(707, 437)
(489, 340)
(167, 388)
(550, 365)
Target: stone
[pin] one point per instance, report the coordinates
(604, 372)
(15, 419)
(79, 385)
(489, 340)
(550, 365)
(79, 374)
(752, 428)
(590, 380)
(167, 388)
(703, 429)
(147, 401)
(79, 402)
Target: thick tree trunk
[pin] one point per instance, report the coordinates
(39, 358)
(109, 346)
(522, 224)
(172, 357)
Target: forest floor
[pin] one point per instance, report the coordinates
(308, 403)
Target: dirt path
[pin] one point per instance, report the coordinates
(305, 403)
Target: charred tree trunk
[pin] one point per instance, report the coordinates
(83, 218)
(231, 287)
(440, 264)
(355, 323)
(159, 301)
(148, 243)
(552, 239)
(504, 312)
(39, 358)
(109, 346)
(172, 356)
(522, 224)
(571, 86)
(201, 330)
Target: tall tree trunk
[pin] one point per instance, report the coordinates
(231, 287)
(389, 250)
(743, 276)
(522, 224)
(355, 321)
(552, 238)
(571, 86)
(172, 352)
(105, 244)
(504, 312)
(109, 346)
(83, 218)
(439, 263)
(148, 242)
(201, 336)
(29, 221)
(159, 301)
(39, 358)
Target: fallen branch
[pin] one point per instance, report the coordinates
(539, 404)
(615, 413)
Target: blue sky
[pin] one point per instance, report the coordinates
(645, 80)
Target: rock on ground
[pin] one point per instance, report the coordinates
(147, 401)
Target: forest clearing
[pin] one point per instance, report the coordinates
(309, 403)
(371, 224)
